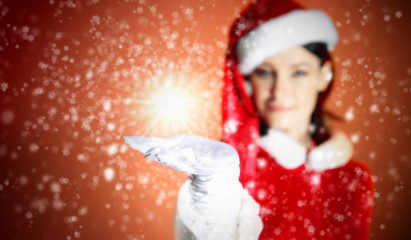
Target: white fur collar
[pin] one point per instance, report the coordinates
(290, 154)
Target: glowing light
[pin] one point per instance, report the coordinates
(172, 102)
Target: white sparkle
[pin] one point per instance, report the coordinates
(109, 174)
(374, 108)
(171, 104)
(349, 115)
(112, 149)
(355, 138)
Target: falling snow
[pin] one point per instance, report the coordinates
(398, 14)
(387, 17)
(76, 76)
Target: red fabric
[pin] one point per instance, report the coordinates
(240, 121)
(339, 207)
(302, 204)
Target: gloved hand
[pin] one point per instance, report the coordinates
(213, 170)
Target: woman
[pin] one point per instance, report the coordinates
(297, 178)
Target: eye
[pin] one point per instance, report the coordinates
(263, 73)
(299, 73)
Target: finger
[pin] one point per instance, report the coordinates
(152, 154)
(143, 144)
(176, 157)
(211, 155)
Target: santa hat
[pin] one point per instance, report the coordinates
(293, 28)
(264, 28)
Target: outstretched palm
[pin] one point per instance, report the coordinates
(187, 153)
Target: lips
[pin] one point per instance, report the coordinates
(279, 108)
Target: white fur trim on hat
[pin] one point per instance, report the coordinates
(295, 28)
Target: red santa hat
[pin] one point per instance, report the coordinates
(264, 28)
(296, 27)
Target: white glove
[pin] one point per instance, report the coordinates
(214, 189)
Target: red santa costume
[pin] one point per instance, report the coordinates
(315, 193)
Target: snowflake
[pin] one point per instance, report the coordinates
(109, 174)
(315, 180)
(29, 215)
(147, 41)
(301, 203)
(25, 29)
(64, 180)
(129, 186)
(374, 108)
(387, 17)
(261, 194)
(112, 149)
(241, 26)
(231, 126)
(38, 91)
(398, 14)
(77, 234)
(126, 206)
(396, 111)
(261, 163)
(5, 85)
(126, 218)
(51, 95)
(349, 115)
(188, 11)
(311, 229)
(83, 211)
(355, 138)
(153, 9)
(43, 65)
(339, 217)
(30, 38)
(66, 152)
(71, 219)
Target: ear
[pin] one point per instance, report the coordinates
(326, 77)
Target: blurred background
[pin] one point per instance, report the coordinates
(76, 76)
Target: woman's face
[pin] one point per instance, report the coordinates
(285, 89)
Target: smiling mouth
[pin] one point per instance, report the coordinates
(278, 108)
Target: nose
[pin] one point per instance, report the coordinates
(279, 87)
